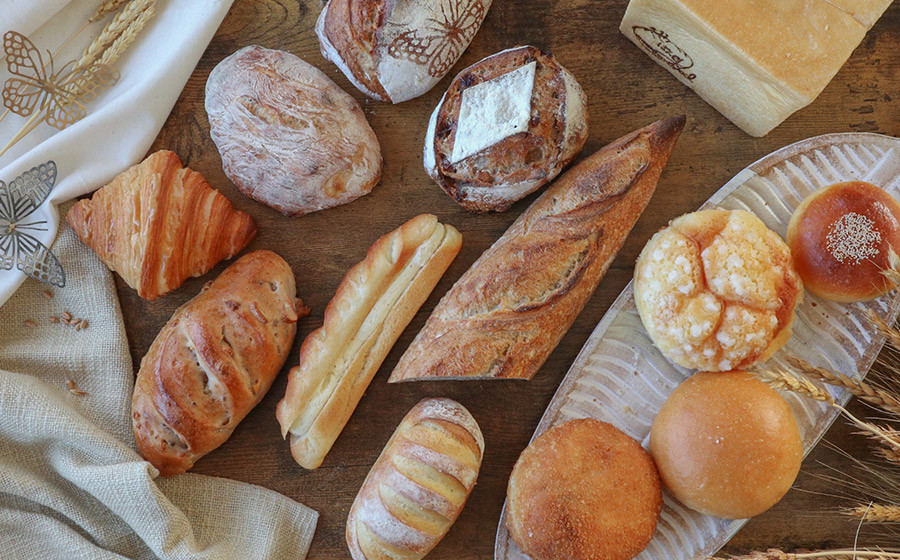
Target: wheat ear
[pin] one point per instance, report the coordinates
(892, 272)
(118, 34)
(878, 397)
(889, 332)
(106, 8)
(789, 382)
(876, 513)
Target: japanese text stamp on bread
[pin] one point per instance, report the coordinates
(755, 61)
(394, 50)
(214, 360)
(506, 126)
(289, 137)
(506, 314)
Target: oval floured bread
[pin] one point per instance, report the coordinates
(289, 137)
(506, 126)
(419, 485)
(395, 51)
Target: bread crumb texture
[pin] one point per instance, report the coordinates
(716, 290)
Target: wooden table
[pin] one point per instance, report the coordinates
(626, 90)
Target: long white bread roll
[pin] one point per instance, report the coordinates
(373, 304)
(419, 484)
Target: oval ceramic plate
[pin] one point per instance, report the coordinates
(621, 378)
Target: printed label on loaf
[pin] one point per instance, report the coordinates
(658, 44)
(493, 110)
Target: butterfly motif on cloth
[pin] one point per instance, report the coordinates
(37, 85)
(440, 44)
(18, 200)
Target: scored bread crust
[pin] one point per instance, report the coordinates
(497, 176)
(372, 306)
(505, 315)
(159, 223)
(214, 360)
(418, 485)
(351, 27)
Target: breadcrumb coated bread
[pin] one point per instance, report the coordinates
(583, 490)
(716, 290)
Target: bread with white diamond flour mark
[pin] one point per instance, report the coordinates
(506, 127)
(506, 314)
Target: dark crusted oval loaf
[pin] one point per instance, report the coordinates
(541, 126)
(214, 361)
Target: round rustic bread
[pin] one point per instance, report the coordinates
(841, 237)
(716, 290)
(583, 490)
(289, 137)
(395, 51)
(726, 444)
(507, 125)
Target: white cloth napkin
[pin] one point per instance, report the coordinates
(71, 484)
(124, 120)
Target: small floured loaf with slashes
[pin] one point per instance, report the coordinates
(506, 126)
(419, 485)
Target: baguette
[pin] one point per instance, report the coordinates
(373, 304)
(214, 361)
(511, 308)
(419, 484)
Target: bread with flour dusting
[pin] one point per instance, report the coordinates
(506, 127)
(419, 485)
(397, 50)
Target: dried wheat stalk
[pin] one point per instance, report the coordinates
(118, 34)
(789, 382)
(892, 273)
(106, 8)
(889, 332)
(873, 395)
(835, 554)
(876, 513)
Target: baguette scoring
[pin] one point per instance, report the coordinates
(505, 315)
(373, 304)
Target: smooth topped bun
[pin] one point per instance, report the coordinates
(840, 238)
(716, 290)
(726, 444)
(583, 490)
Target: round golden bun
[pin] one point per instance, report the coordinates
(840, 238)
(726, 444)
(716, 290)
(583, 490)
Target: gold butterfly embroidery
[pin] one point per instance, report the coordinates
(61, 94)
(440, 44)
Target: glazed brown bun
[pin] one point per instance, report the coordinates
(840, 237)
(583, 490)
(726, 444)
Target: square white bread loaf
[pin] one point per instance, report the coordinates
(755, 61)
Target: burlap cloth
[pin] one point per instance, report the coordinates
(71, 484)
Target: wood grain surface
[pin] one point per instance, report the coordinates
(625, 90)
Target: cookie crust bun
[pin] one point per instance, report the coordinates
(716, 290)
(395, 51)
(583, 490)
(726, 444)
(507, 126)
(841, 237)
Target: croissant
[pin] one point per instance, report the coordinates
(158, 223)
